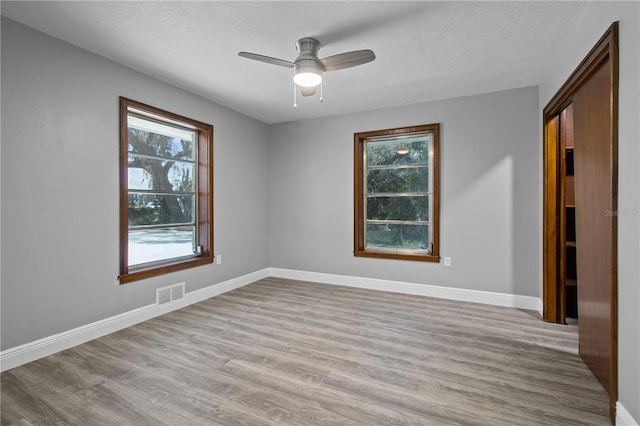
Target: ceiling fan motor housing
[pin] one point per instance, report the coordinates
(307, 61)
(307, 47)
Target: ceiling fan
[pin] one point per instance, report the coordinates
(308, 68)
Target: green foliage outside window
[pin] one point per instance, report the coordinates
(397, 185)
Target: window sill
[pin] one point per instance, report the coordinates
(397, 256)
(156, 270)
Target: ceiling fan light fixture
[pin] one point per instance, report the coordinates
(307, 77)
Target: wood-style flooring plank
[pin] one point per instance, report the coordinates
(285, 352)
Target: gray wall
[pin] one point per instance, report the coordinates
(60, 187)
(490, 180)
(589, 29)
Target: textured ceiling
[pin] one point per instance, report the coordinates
(425, 50)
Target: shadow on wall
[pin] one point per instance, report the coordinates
(483, 211)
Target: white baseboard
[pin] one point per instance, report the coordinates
(465, 295)
(32, 351)
(623, 417)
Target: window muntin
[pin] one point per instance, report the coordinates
(396, 187)
(166, 192)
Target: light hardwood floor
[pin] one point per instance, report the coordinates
(286, 352)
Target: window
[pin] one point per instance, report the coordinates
(396, 193)
(166, 192)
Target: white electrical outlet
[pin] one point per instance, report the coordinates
(218, 259)
(447, 262)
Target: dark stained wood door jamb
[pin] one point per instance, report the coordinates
(603, 54)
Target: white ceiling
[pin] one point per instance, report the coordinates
(425, 50)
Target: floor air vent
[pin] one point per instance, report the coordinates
(169, 293)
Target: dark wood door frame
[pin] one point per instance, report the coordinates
(604, 53)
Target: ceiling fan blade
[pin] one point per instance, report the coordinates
(308, 91)
(347, 60)
(266, 59)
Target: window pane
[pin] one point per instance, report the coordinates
(398, 237)
(151, 245)
(149, 209)
(399, 151)
(398, 208)
(162, 140)
(162, 175)
(412, 179)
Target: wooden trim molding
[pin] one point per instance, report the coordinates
(551, 203)
(359, 217)
(604, 53)
(203, 193)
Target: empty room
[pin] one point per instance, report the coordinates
(305, 213)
